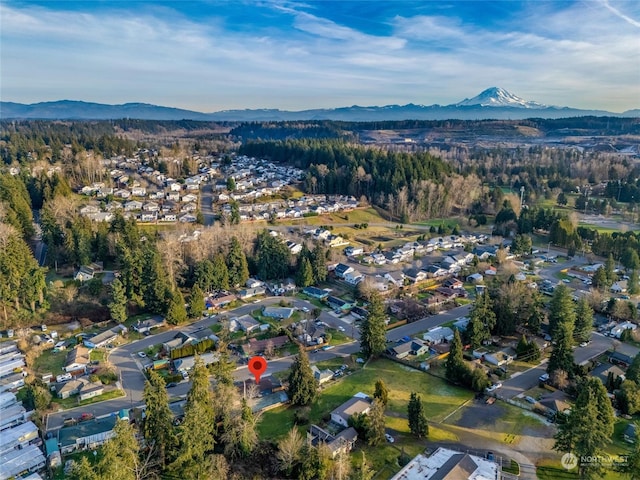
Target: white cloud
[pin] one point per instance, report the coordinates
(585, 55)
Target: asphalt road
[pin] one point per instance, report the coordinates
(130, 365)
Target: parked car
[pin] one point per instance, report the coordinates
(389, 438)
(86, 416)
(142, 354)
(305, 309)
(342, 329)
(544, 377)
(530, 399)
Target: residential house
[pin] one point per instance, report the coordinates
(220, 300)
(17, 461)
(256, 347)
(72, 387)
(89, 390)
(132, 205)
(620, 328)
(475, 278)
(446, 464)
(189, 198)
(355, 405)
(341, 443)
(619, 287)
(86, 435)
(438, 335)
(452, 283)
(246, 293)
(151, 207)
(415, 275)
(77, 359)
(604, 370)
(181, 339)
(354, 277)
(338, 304)
(434, 271)
(359, 313)
(353, 251)
(396, 278)
(149, 324)
(245, 323)
(342, 269)
(413, 347)
(498, 358)
(122, 193)
(620, 359)
(315, 292)
(555, 403)
(321, 376)
(105, 338)
(139, 191)
(148, 217)
(185, 364)
(84, 274)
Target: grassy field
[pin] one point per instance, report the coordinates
(50, 362)
(72, 402)
(440, 398)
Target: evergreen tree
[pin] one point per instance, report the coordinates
(632, 285)
(373, 339)
(120, 458)
(609, 268)
(589, 426)
(303, 387)
(599, 279)
(237, 264)
(118, 304)
(83, 470)
(240, 435)
(220, 273)
(304, 275)
(381, 392)
(633, 372)
(158, 422)
(364, 471)
(562, 355)
(154, 281)
(319, 264)
(536, 312)
(417, 419)
(272, 257)
(455, 368)
(196, 302)
(375, 424)
(478, 380)
(561, 309)
(196, 433)
(631, 468)
(176, 313)
(584, 321)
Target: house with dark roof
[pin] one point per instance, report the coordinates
(342, 442)
(220, 300)
(620, 359)
(253, 346)
(359, 313)
(555, 403)
(338, 303)
(415, 275)
(181, 339)
(315, 292)
(434, 271)
(251, 292)
(278, 312)
(342, 269)
(245, 323)
(414, 347)
(603, 371)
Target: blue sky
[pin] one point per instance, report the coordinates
(215, 55)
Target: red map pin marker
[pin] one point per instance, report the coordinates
(257, 366)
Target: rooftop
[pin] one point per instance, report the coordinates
(445, 464)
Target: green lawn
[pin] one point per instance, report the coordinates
(50, 362)
(97, 355)
(72, 402)
(440, 397)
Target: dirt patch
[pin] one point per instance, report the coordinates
(477, 415)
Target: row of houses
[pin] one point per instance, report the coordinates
(19, 440)
(12, 364)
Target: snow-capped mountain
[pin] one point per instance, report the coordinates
(498, 97)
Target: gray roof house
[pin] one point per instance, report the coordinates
(344, 412)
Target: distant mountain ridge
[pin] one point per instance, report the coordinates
(492, 103)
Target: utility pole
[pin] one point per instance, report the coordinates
(522, 196)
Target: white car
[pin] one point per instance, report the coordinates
(305, 309)
(389, 438)
(142, 354)
(342, 329)
(493, 387)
